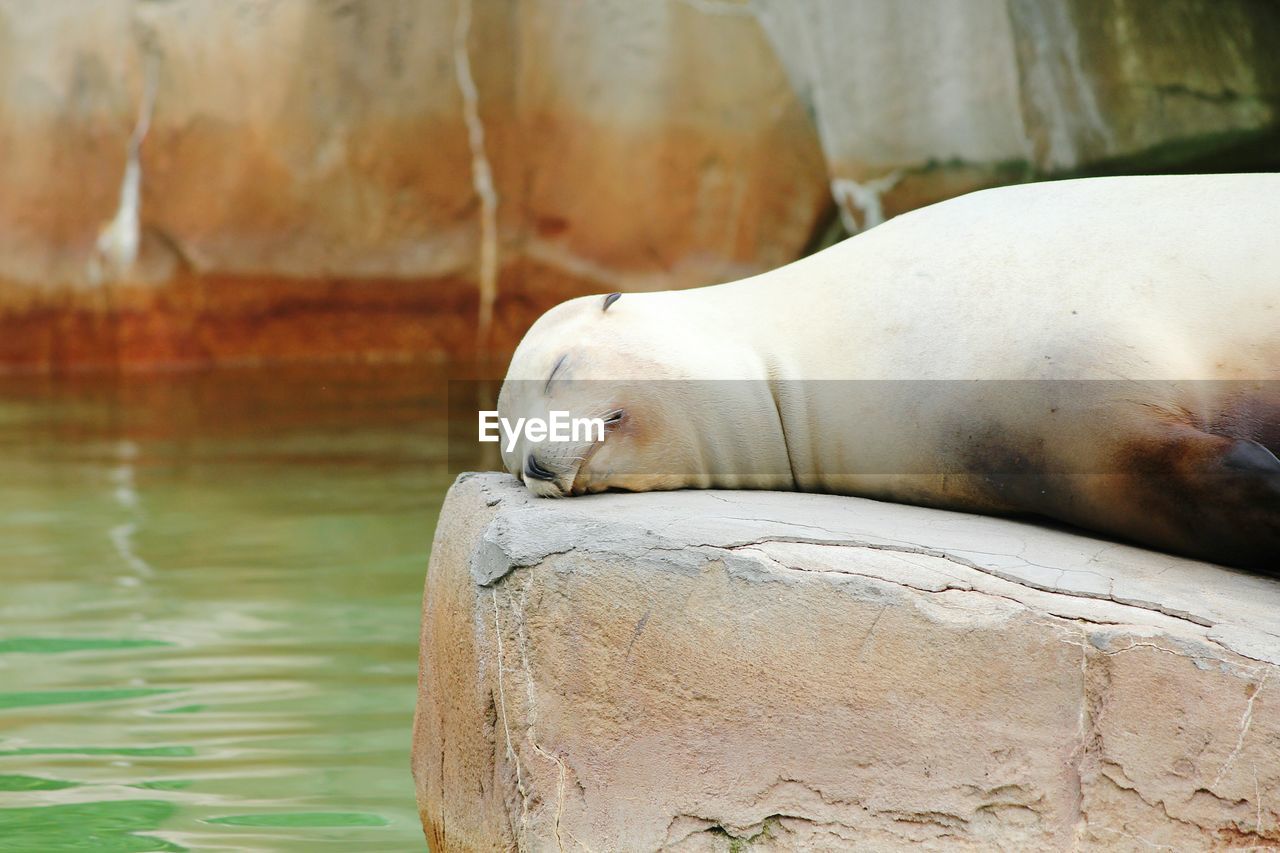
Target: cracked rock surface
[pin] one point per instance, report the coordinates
(757, 670)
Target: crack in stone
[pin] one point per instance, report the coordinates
(518, 609)
(1085, 732)
(969, 564)
(481, 174)
(900, 547)
(866, 197)
(1012, 599)
(1137, 645)
(506, 726)
(1246, 720)
(834, 539)
(116, 249)
(866, 638)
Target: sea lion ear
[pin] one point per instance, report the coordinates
(610, 299)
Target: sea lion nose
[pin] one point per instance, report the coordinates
(536, 471)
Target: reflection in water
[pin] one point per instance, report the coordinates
(209, 602)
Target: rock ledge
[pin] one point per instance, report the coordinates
(734, 670)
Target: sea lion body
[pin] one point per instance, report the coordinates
(1105, 352)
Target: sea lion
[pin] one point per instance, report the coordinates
(1104, 352)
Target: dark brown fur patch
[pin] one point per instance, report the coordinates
(1209, 496)
(1009, 471)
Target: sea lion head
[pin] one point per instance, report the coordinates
(656, 375)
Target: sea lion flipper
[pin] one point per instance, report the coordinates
(1250, 457)
(1218, 496)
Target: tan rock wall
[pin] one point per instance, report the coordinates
(384, 178)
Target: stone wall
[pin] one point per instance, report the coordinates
(751, 670)
(202, 181)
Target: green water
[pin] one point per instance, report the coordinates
(209, 604)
